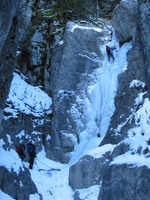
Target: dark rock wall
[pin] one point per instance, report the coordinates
(8, 47)
(87, 172)
(37, 36)
(18, 186)
(125, 182)
(125, 17)
(107, 6)
(144, 25)
(9, 39)
(70, 70)
(125, 98)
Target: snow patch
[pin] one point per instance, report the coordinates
(91, 193)
(74, 26)
(135, 160)
(10, 159)
(21, 134)
(34, 197)
(137, 83)
(100, 151)
(27, 99)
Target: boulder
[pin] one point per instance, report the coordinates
(18, 186)
(124, 20)
(90, 168)
(125, 182)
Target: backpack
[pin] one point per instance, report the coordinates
(30, 149)
(107, 49)
(19, 149)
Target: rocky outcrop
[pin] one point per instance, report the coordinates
(125, 182)
(144, 26)
(8, 11)
(122, 181)
(71, 67)
(37, 30)
(126, 95)
(13, 28)
(8, 48)
(18, 186)
(125, 17)
(107, 6)
(87, 172)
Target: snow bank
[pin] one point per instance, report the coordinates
(91, 193)
(10, 159)
(100, 151)
(27, 99)
(34, 197)
(138, 137)
(135, 160)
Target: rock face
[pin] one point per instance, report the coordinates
(144, 25)
(125, 98)
(125, 182)
(8, 10)
(131, 182)
(126, 95)
(8, 48)
(125, 16)
(87, 172)
(107, 6)
(17, 186)
(29, 29)
(37, 30)
(71, 67)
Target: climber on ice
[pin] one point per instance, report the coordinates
(109, 53)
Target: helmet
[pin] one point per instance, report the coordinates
(21, 142)
(33, 142)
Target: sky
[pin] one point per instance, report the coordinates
(51, 178)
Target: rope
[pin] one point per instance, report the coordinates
(43, 163)
(54, 169)
(37, 165)
(85, 146)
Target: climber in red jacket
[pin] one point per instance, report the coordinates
(109, 53)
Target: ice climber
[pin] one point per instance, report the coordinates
(21, 150)
(109, 53)
(31, 149)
